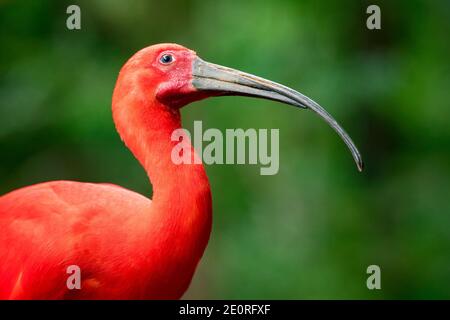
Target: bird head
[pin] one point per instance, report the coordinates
(176, 76)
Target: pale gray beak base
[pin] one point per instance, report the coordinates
(226, 81)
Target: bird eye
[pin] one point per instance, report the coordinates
(166, 59)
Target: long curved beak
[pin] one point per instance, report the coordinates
(226, 81)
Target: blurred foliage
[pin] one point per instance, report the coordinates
(311, 230)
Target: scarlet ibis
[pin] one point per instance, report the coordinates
(126, 245)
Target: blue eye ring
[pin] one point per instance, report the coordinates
(166, 58)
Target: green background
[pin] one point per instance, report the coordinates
(311, 230)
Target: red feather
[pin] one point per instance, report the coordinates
(127, 246)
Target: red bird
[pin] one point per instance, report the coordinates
(126, 245)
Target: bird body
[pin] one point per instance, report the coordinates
(126, 245)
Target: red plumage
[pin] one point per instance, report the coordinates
(127, 246)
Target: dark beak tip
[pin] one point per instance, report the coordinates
(360, 166)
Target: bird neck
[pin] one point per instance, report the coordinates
(181, 192)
